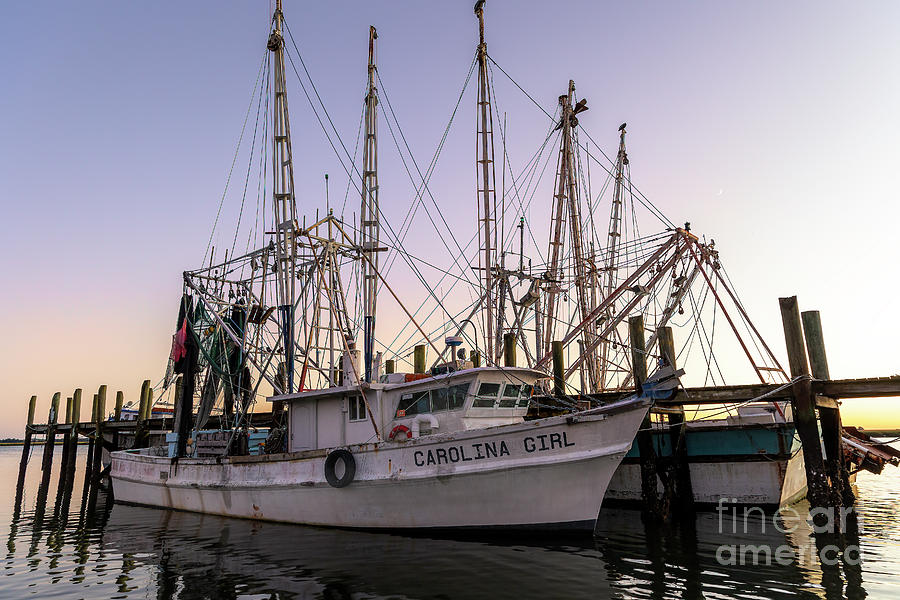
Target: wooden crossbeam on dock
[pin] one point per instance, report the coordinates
(154, 424)
(834, 389)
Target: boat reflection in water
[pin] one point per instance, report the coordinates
(98, 549)
(204, 556)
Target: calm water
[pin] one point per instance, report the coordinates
(113, 551)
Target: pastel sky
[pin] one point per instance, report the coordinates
(772, 127)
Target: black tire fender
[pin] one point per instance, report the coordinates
(349, 468)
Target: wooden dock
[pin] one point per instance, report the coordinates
(103, 433)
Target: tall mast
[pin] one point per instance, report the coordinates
(613, 241)
(368, 214)
(566, 206)
(284, 202)
(487, 199)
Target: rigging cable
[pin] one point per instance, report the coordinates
(234, 160)
(645, 201)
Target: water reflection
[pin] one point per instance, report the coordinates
(94, 548)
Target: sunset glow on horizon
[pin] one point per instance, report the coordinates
(771, 128)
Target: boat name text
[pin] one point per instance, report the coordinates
(482, 450)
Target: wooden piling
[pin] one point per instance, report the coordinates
(120, 400)
(66, 449)
(803, 405)
(645, 433)
(28, 433)
(73, 442)
(476, 359)
(559, 369)
(97, 470)
(684, 489)
(638, 351)
(141, 435)
(26, 449)
(117, 416)
(509, 349)
(832, 431)
(389, 366)
(98, 432)
(419, 359)
(143, 405)
(50, 441)
(76, 406)
(89, 463)
(149, 413)
(40, 503)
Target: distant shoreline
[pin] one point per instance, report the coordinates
(881, 433)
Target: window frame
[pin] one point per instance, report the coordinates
(504, 397)
(462, 388)
(356, 404)
(525, 393)
(482, 398)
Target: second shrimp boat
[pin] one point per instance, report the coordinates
(354, 443)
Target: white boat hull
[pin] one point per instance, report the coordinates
(550, 472)
(748, 464)
(767, 484)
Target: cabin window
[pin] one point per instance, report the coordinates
(357, 411)
(457, 395)
(487, 395)
(414, 404)
(510, 395)
(525, 398)
(439, 399)
(452, 397)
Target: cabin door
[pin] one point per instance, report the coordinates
(303, 426)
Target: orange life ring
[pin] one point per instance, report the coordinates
(398, 430)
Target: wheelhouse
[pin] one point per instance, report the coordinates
(467, 399)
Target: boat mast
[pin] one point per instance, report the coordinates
(566, 206)
(284, 201)
(368, 214)
(612, 244)
(487, 199)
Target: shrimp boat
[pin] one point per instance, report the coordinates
(354, 441)
(453, 467)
